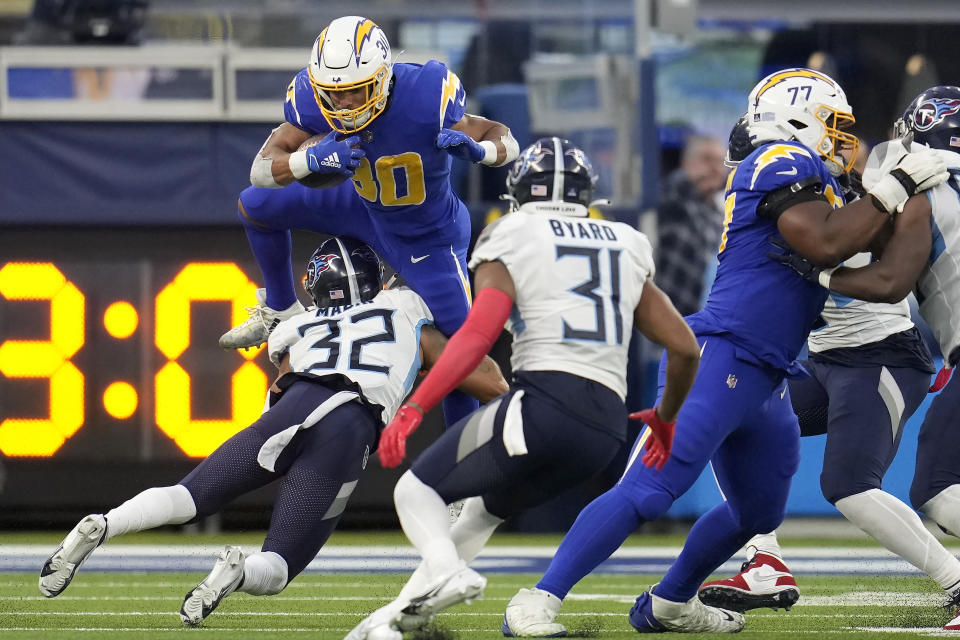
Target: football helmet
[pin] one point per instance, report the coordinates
(934, 118)
(552, 170)
(807, 106)
(739, 146)
(343, 271)
(351, 54)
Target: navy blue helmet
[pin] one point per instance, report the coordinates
(934, 118)
(552, 169)
(343, 271)
(739, 146)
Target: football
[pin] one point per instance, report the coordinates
(319, 180)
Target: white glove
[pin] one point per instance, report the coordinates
(914, 172)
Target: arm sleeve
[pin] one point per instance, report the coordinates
(466, 347)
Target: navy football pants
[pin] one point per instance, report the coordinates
(320, 467)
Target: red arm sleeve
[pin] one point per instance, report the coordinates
(466, 347)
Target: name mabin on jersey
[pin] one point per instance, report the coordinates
(577, 229)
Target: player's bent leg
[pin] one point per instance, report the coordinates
(151, 508)
(944, 509)
(223, 579)
(936, 482)
(60, 568)
(653, 614)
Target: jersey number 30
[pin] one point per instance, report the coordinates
(399, 180)
(588, 289)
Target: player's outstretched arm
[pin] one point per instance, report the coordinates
(828, 236)
(484, 383)
(657, 319)
(464, 351)
(480, 140)
(894, 274)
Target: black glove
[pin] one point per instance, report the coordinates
(807, 270)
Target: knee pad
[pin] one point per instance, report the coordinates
(250, 209)
(650, 506)
(264, 574)
(837, 485)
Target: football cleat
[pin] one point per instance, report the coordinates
(388, 616)
(255, 330)
(763, 581)
(224, 578)
(953, 606)
(59, 569)
(653, 614)
(531, 614)
(463, 585)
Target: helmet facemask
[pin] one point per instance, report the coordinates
(350, 120)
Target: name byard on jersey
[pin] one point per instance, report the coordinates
(577, 229)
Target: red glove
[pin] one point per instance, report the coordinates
(661, 437)
(943, 377)
(393, 440)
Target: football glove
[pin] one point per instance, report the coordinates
(393, 440)
(460, 145)
(807, 270)
(915, 171)
(334, 156)
(660, 441)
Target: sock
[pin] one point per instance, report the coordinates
(456, 406)
(470, 533)
(897, 527)
(264, 574)
(426, 522)
(599, 530)
(473, 528)
(944, 508)
(764, 543)
(715, 538)
(152, 508)
(272, 250)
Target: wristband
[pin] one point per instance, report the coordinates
(298, 164)
(824, 277)
(489, 153)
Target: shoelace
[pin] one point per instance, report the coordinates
(256, 312)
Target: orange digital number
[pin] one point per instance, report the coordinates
(44, 359)
(203, 281)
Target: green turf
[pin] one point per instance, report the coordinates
(144, 606)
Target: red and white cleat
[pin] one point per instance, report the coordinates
(763, 581)
(953, 606)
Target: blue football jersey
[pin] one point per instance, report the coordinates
(404, 179)
(762, 307)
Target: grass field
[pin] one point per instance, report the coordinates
(322, 606)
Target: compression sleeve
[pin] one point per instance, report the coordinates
(466, 347)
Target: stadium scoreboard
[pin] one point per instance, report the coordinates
(108, 342)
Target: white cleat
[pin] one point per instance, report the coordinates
(256, 329)
(224, 578)
(388, 617)
(463, 585)
(531, 614)
(653, 614)
(59, 569)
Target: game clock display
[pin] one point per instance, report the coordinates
(108, 343)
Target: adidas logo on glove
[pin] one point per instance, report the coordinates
(332, 160)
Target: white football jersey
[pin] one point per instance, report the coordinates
(938, 289)
(375, 344)
(854, 323)
(578, 281)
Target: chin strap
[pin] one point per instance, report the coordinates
(466, 348)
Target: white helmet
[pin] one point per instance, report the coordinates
(807, 106)
(351, 53)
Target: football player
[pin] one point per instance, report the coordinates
(344, 366)
(922, 254)
(392, 129)
(870, 370)
(754, 323)
(570, 290)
